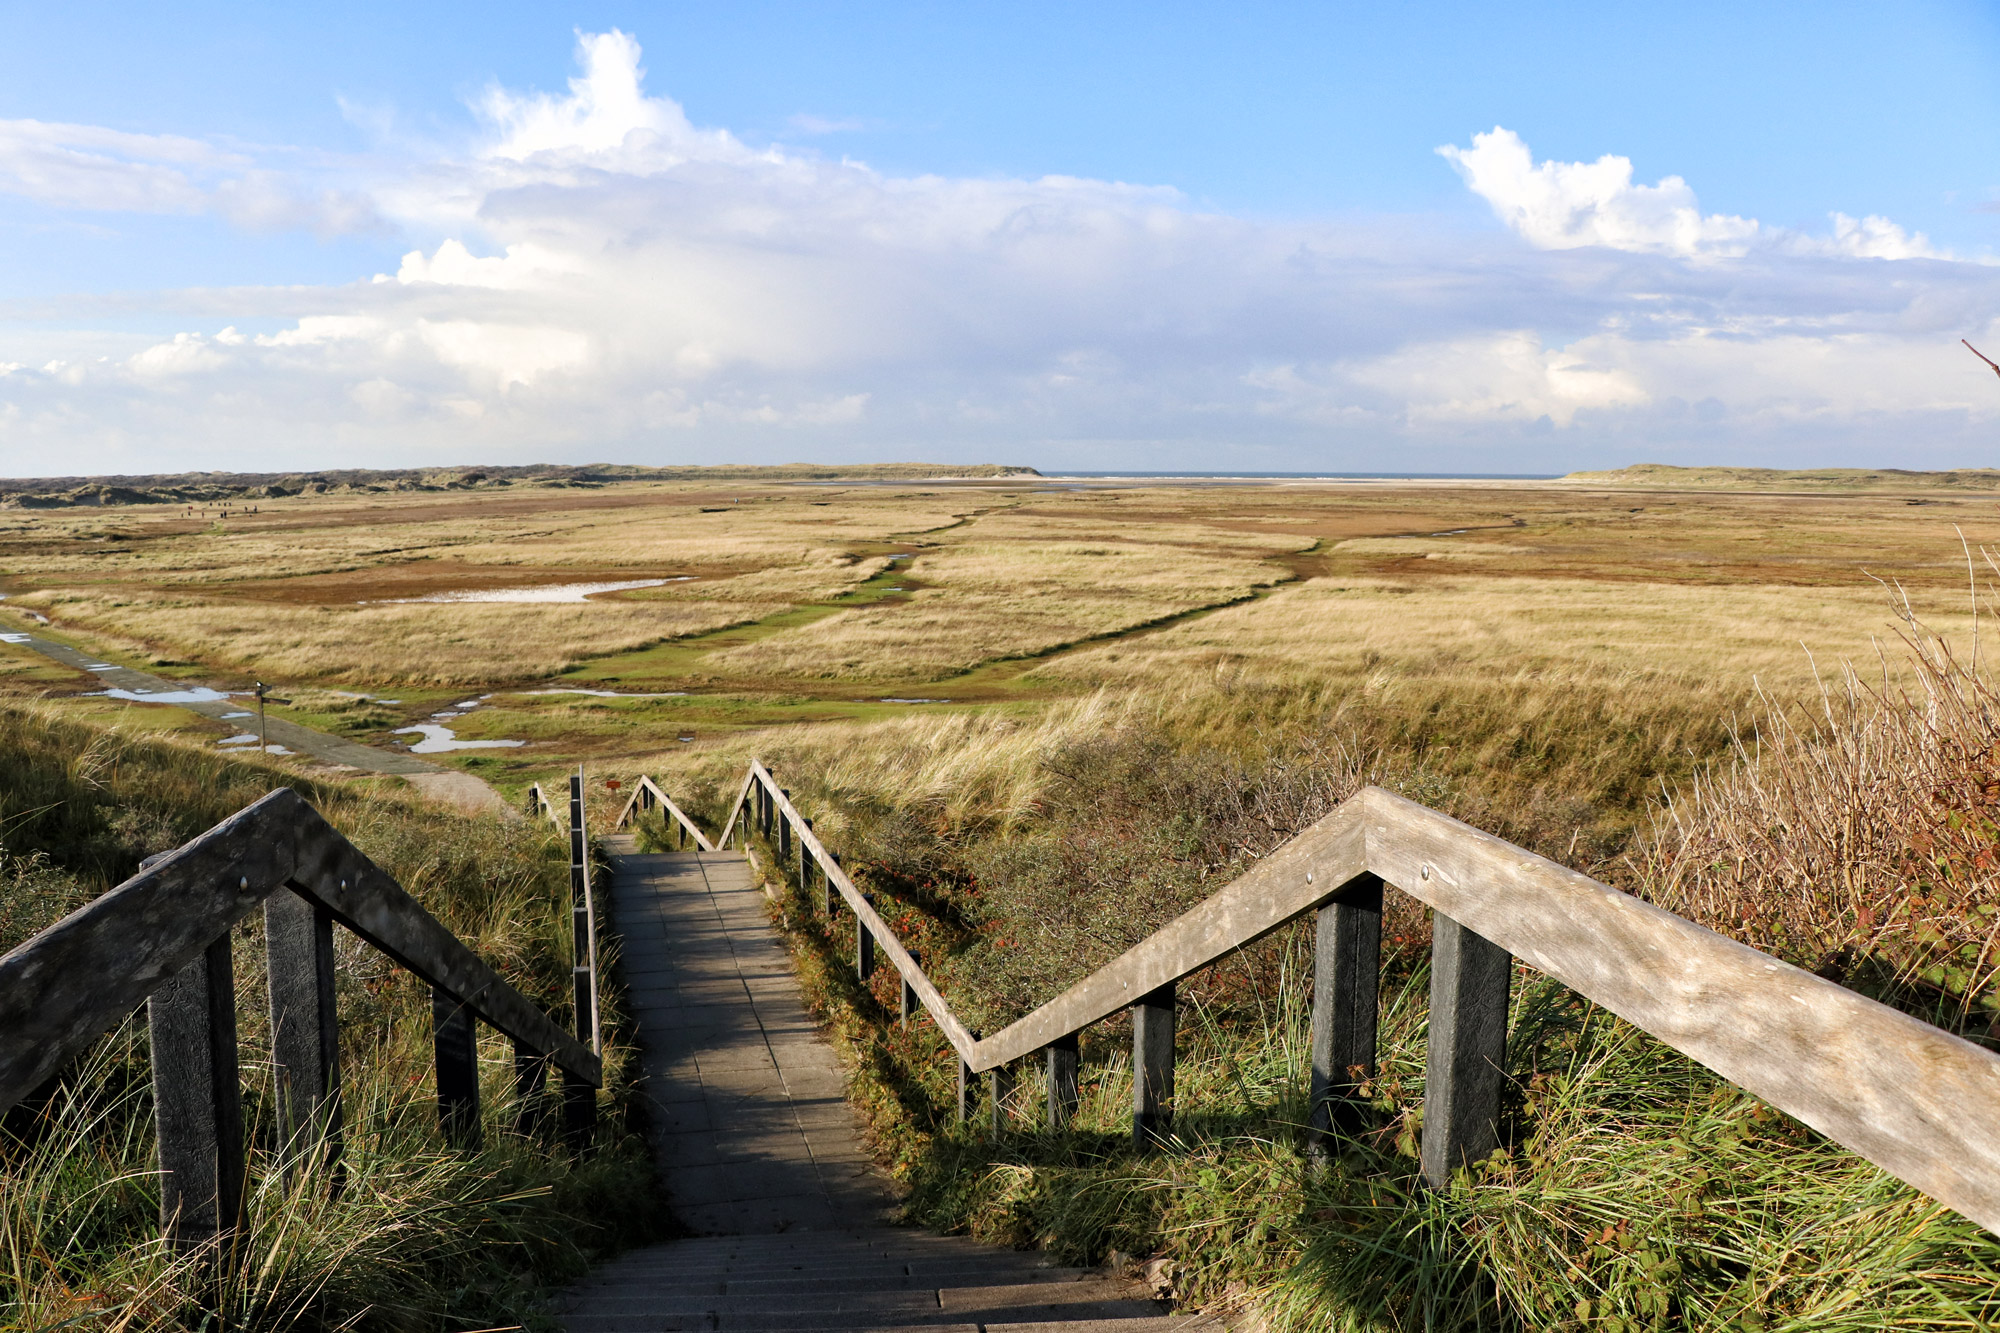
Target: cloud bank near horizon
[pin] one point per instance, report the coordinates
(599, 277)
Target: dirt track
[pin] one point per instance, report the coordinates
(446, 786)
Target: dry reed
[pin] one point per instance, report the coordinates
(1860, 834)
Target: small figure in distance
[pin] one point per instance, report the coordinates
(1982, 356)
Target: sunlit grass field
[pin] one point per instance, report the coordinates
(1052, 718)
(789, 604)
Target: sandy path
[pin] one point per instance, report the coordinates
(447, 786)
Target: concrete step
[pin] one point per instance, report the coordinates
(885, 1239)
(942, 1272)
(634, 1294)
(995, 1296)
(813, 1245)
(669, 1282)
(1145, 1323)
(950, 1270)
(602, 1314)
(1125, 1317)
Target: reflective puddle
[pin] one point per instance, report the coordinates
(437, 739)
(616, 694)
(200, 694)
(549, 592)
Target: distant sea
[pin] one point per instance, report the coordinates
(1328, 476)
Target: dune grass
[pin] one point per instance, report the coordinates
(417, 1235)
(1636, 1190)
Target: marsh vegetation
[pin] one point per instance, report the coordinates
(417, 1234)
(1140, 690)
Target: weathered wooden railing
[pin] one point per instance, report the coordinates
(540, 804)
(162, 938)
(647, 797)
(1915, 1100)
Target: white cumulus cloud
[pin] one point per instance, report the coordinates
(90, 168)
(1561, 205)
(589, 274)
(1567, 205)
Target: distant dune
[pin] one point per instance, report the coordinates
(1661, 476)
(229, 487)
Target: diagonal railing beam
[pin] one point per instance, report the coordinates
(1909, 1097)
(70, 984)
(899, 957)
(646, 786)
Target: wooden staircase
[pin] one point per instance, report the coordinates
(761, 1155)
(866, 1278)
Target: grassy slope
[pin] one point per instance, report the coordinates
(418, 1236)
(1666, 475)
(1639, 1191)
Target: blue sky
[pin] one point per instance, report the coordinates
(1108, 236)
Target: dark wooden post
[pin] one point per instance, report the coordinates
(583, 921)
(784, 836)
(1062, 1081)
(999, 1083)
(456, 1039)
(965, 1085)
(805, 869)
(531, 1090)
(1153, 1066)
(832, 894)
(1466, 1064)
(909, 999)
(198, 1103)
(1347, 961)
(864, 949)
(579, 1104)
(305, 1031)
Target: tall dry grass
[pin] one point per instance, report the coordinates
(434, 643)
(1637, 1190)
(983, 599)
(1858, 833)
(418, 1235)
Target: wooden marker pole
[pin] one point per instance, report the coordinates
(579, 1098)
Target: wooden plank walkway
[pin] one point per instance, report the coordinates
(763, 1159)
(751, 1126)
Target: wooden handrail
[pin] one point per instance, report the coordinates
(540, 804)
(162, 938)
(648, 794)
(1911, 1098)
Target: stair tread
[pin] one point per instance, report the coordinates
(1142, 1319)
(669, 1281)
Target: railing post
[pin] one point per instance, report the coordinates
(805, 866)
(1466, 1064)
(784, 837)
(305, 1030)
(832, 893)
(1062, 1081)
(1347, 961)
(1152, 1066)
(964, 1085)
(908, 1004)
(456, 1040)
(579, 1104)
(531, 1090)
(583, 921)
(198, 1103)
(999, 1083)
(864, 948)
